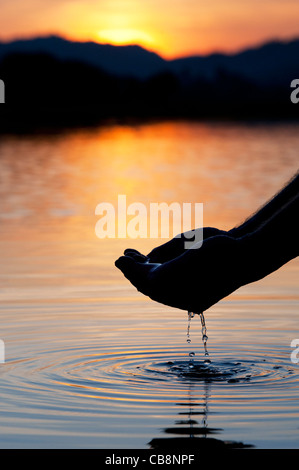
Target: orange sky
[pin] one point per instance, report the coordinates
(170, 27)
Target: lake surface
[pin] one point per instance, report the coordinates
(92, 363)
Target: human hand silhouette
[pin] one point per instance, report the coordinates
(176, 246)
(192, 279)
(195, 279)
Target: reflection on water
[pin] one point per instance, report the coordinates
(194, 436)
(90, 362)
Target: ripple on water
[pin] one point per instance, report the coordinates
(140, 375)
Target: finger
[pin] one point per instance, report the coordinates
(125, 264)
(167, 251)
(132, 270)
(131, 250)
(136, 255)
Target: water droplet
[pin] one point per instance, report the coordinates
(203, 333)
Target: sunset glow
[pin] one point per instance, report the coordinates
(126, 36)
(171, 28)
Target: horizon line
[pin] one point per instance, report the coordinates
(199, 54)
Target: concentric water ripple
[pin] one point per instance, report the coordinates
(90, 394)
(151, 374)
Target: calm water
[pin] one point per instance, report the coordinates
(89, 361)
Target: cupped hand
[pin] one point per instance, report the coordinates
(193, 280)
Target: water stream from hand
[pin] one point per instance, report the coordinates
(204, 338)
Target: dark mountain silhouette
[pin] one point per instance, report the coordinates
(52, 82)
(119, 60)
(274, 63)
(271, 62)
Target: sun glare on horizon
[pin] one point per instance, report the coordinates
(122, 37)
(171, 29)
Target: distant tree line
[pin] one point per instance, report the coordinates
(41, 91)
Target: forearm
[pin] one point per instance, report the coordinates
(266, 212)
(276, 242)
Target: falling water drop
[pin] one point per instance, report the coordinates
(204, 338)
(191, 354)
(190, 315)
